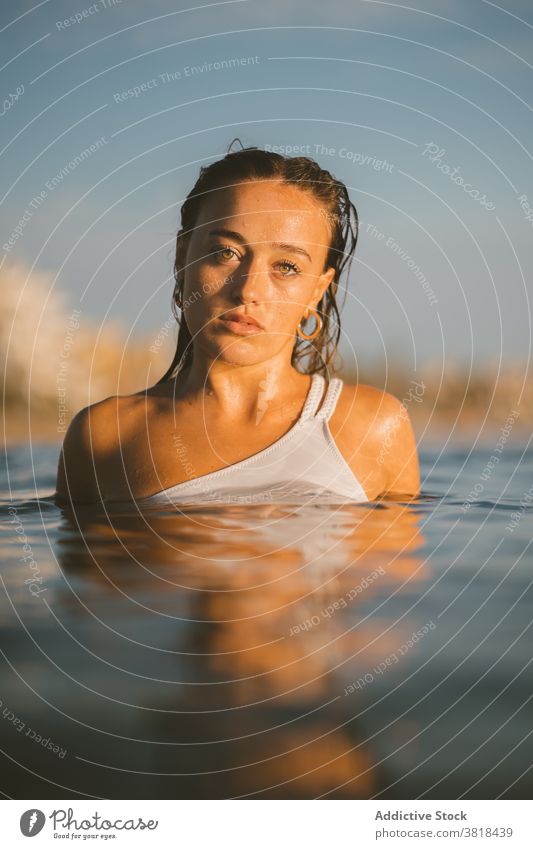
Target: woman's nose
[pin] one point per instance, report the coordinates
(250, 278)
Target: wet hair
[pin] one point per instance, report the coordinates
(249, 164)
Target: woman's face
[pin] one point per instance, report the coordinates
(258, 248)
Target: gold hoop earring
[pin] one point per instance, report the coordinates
(302, 334)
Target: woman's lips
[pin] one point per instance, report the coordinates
(241, 327)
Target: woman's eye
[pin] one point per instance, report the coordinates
(290, 267)
(224, 253)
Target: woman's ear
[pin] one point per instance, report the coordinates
(322, 284)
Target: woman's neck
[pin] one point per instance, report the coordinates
(242, 391)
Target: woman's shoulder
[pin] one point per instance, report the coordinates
(377, 428)
(92, 445)
(362, 404)
(102, 421)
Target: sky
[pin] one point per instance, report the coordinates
(423, 109)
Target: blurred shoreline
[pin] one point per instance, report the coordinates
(58, 360)
(463, 411)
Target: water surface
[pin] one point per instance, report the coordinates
(375, 650)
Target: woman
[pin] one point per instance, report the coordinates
(263, 242)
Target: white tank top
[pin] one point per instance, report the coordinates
(303, 464)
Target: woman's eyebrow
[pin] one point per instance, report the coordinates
(233, 234)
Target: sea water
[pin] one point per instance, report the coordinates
(377, 650)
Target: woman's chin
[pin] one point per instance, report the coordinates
(243, 351)
(240, 358)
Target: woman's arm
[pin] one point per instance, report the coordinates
(77, 473)
(398, 451)
(373, 432)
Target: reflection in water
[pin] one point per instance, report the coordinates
(374, 650)
(206, 653)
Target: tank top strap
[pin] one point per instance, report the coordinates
(314, 395)
(330, 401)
